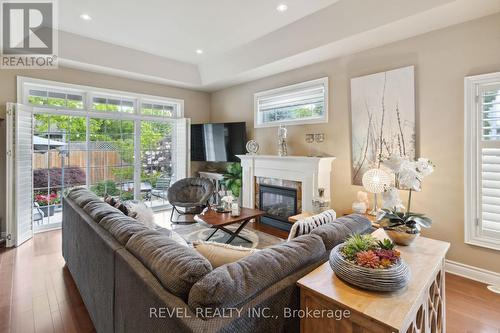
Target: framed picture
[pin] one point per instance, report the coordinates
(383, 118)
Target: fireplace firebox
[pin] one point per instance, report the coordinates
(279, 203)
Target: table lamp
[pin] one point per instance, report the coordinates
(375, 181)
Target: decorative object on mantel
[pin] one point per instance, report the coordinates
(320, 203)
(370, 264)
(404, 226)
(383, 118)
(376, 181)
(282, 146)
(361, 204)
(252, 147)
(314, 138)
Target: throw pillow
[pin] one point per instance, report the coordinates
(220, 254)
(305, 226)
(116, 203)
(141, 213)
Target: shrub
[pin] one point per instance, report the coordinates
(73, 176)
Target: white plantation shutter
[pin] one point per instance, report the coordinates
(19, 173)
(489, 148)
(482, 160)
(181, 156)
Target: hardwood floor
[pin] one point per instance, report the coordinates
(37, 294)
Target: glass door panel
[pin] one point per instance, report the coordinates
(111, 158)
(156, 162)
(59, 163)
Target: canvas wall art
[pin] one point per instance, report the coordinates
(383, 118)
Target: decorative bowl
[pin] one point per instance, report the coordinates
(379, 279)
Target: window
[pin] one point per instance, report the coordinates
(53, 98)
(158, 109)
(113, 104)
(302, 103)
(482, 164)
(126, 145)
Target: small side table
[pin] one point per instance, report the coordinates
(419, 307)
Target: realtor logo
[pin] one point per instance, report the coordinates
(28, 34)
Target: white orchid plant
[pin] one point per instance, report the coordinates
(408, 175)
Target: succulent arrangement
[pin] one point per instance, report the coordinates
(366, 251)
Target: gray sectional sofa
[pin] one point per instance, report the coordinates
(135, 279)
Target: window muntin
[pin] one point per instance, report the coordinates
(301, 103)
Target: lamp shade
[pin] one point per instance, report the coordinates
(375, 180)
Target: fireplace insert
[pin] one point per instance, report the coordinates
(279, 203)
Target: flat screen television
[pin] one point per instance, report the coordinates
(218, 142)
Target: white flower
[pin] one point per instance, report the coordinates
(424, 166)
(409, 177)
(227, 198)
(394, 163)
(392, 200)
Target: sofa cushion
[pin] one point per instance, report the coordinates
(176, 267)
(336, 232)
(121, 227)
(233, 284)
(82, 196)
(221, 254)
(98, 209)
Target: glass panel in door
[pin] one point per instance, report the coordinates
(59, 162)
(156, 162)
(111, 158)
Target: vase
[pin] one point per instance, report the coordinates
(401, 236)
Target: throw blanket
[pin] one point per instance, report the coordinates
(305, 226)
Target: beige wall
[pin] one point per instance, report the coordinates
(196, 104)
(442, 59)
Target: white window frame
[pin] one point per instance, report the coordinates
(24, 84)
(293, 87)
(472, 173)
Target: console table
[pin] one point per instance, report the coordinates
(418, 308)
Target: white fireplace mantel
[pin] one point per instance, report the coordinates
(312, 172)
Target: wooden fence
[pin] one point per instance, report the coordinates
(101, 162)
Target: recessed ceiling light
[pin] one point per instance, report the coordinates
(199, 51)
(282, 7)
(85, 17)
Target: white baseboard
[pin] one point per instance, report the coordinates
(473, 273)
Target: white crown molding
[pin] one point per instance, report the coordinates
(473, 273)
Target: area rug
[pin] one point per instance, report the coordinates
(196, 231)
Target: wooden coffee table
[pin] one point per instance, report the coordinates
(219, 221)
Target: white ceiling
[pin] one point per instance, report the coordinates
(156, 40)
(176, 28)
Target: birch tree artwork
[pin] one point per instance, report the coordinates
(383, 119)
